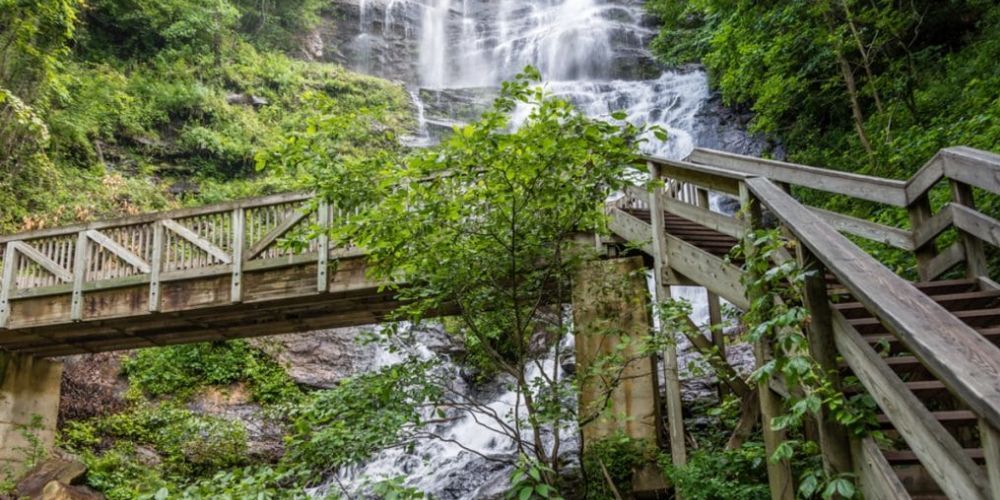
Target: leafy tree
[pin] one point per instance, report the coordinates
(485, 226)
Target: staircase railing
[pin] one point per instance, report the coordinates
(966, 362)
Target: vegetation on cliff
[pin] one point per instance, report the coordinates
(112, 103)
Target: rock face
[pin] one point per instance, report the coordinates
(60, 491)
(264, 433)
(58, 469)
(322, 358)
(91, 385)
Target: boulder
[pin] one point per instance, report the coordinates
(56, 469)
(56, 490)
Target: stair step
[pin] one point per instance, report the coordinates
(931, 287)
(951, 417)
(991, 333)
(962, 301)
(974, 317)
(899, 457)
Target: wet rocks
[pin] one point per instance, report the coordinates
(319, 359)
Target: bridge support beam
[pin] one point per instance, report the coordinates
(609, 310)
(29, 407)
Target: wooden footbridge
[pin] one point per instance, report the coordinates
(925, 350)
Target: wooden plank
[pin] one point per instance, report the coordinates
(834, 441)
(661, 263)
(990, 437)
(155, 267)
(709, 271)
(892, 236)
(949, 258)
(155, 216)
(926, 229)
(198, 241)
(42, 260)
(977, 224)
(965, 361)
(925, 178)
(120, 251)
(714, 179)
(972, 166)
(268, 239)
(7, 282)
(779, 473)
(919, 211)
(79, 275)
(890, 192)
(693, 263)
(876, 477)
(323, 247)
(942, 456)
(238, 240)
(964, 205)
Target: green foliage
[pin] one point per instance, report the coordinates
(739, 474)
(616, 457)
(184, 445)
(346, 424)
(531, 480)
(179, 371)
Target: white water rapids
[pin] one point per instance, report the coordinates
(453, 54)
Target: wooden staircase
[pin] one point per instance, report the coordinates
(926, 352)
(972, 301)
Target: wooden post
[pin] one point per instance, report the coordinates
(79, 274)
(920, 212)
(323, 247)
(7, 282)
(834, 440)
(239, 236)
(991, 450)
(675, 416)
(714, 306)
(155, 267)
(975, 256)
(779, 474)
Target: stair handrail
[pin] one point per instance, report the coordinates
(967, 363)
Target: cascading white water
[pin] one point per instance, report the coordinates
(451, 53)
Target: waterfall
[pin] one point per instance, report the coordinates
(593, 52)
(453, 55)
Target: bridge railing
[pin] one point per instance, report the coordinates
(965, 361)
(222, 239)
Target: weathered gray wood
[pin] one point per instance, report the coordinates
(779, 474)
(927, 229)
(892, 236)
(834, 441)
(961, 358)
(712, 220)
(890, 192)
(965, 205)
(79, 275)
(942, 456)
(675, 415)
(876, 477)
(268, 239)
(198, 241)
(920, 213)
(7, 282)
(990, 437)
(972, 166)
(709, 177)
(120, 251)
(947, 259)
(42, 260)
(925, 178)
(977, 224)
(238, 239)
(323, 247)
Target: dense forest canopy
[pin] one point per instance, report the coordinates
(875, 86)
